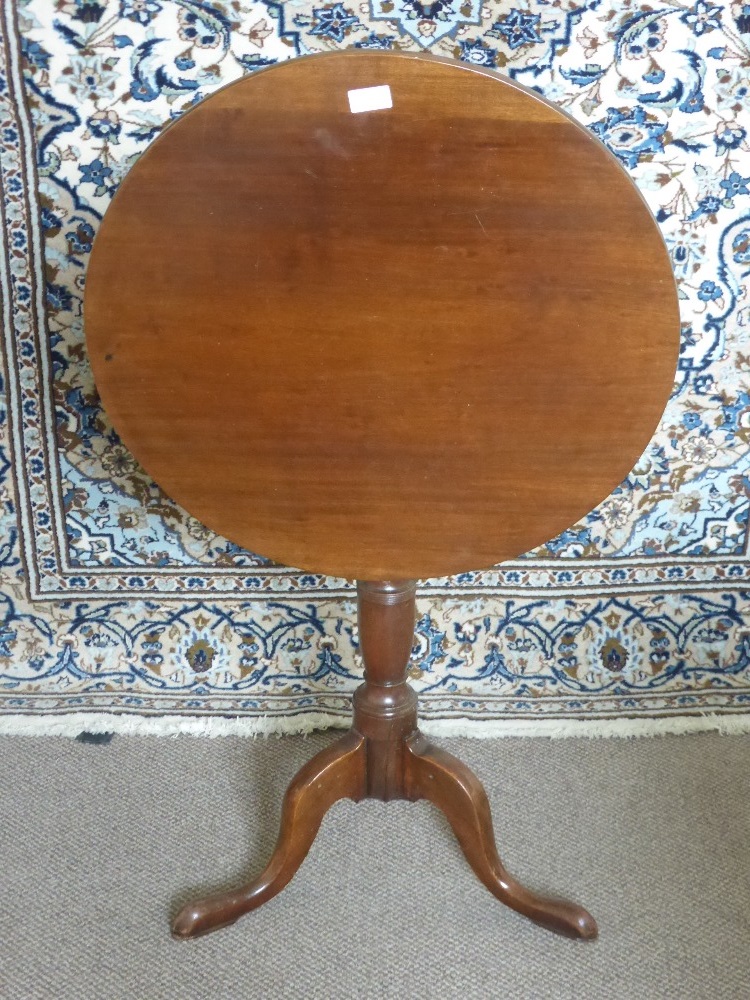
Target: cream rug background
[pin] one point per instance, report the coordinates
(114, 601)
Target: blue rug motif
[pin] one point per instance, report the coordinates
(113, 599)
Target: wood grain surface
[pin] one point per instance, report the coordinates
(400, 343)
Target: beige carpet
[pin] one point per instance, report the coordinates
(99, 844)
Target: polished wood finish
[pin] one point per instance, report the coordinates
(384, 756)
(401, 343)
(387, 345)
(336, 773)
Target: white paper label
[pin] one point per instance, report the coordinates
(370, 99)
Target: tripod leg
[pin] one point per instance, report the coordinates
(445, 781)
(335, 773)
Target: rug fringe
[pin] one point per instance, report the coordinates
(72, 724)
(673, 725)
(126, 724)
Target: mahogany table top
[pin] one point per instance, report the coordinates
(391, 343)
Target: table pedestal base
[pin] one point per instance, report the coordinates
(384, 756)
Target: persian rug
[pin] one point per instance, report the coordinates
(119, 608)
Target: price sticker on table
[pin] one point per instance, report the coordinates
(370, 99)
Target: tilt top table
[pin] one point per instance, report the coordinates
(386, 317)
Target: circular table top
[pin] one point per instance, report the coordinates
(382, 333)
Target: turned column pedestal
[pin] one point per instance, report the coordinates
(384, 756)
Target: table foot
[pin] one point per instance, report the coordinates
(441, 778)
(335, 773)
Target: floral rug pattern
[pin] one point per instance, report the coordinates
(114, 599)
